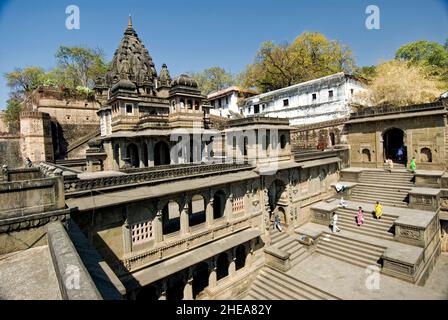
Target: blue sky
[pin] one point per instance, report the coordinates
(190, 35)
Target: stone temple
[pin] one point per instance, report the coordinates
(170, 202)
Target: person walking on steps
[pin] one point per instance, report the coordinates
(360, 217)
(413, 165)
(277, 223)
(378, 210)
(334, 222)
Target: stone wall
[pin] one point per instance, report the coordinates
(36, 141)
(366, 140)
(320, 136)
(10, 153)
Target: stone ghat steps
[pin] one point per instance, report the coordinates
(297, 251)
(352, 251)
(387, 196)
(277, 236)
(386, 178)
(272, 284)
(382, 228)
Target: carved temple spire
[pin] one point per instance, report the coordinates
(130, 22)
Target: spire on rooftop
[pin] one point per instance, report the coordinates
(130, 22)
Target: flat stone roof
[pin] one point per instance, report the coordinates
(28, 275)
(122, 196)
(398, 116)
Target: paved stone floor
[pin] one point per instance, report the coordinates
(349, 282)
(28, 275)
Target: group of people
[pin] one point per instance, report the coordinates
(359, 215)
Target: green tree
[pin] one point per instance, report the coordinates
(367, 72)
(213, 79)
(430, 54)
(310, 56)
(12, 114)
(79, 66)
(25, 80)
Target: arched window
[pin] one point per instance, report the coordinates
(240, 260)
(219, 204)
(425, 155)
(117, 154)
(282, 141)
(366, 155)
(196, 210)
(222, 266)
(132, 154)
(161, 154)
(171, 217)
(246, 142)
(332, 139)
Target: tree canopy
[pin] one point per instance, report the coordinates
(430, 54)
(310, 56)
(400, 83)
(213, 79)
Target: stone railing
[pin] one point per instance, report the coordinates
(137, 260)
(151, 176)
(377, 111)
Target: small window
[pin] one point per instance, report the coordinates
(249, 109)
(238, 205)
(352, 91)
(330, 94)
(286, 102)
(257, 108)
(129, 108)
(314, 96)
(227, 100)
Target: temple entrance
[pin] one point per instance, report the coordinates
(278, 200)
(394, 148)
(161, 154)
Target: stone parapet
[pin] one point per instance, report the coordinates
(277, 258)
(428, 178)
(424, 198)
(74, 280)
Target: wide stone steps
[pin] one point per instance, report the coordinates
(349, 250)
(289, 244)
(373, 199)
(386, 178)
(271, 284)
(393, 196)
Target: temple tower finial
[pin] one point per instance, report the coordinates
(130, 22)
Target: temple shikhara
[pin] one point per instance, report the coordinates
(150, 190)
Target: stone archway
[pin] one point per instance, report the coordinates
(132, 154)
(278, 201)
(161, 154)
(393, 140)
(200, 278)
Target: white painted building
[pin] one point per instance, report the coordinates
(314, 101)
(225, 102)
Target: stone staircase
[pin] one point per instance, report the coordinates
(349, 250)
(386, 195)
(288, 243)
(271, 284)
(400, 178)
(382, 228)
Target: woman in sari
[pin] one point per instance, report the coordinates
(360, 217)
(378, 210)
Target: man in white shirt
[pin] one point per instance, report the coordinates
(334, 222)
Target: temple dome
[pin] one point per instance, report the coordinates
(185, 81)
(124, 84)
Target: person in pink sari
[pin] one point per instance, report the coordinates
(360, 217)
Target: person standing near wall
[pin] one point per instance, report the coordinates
(413, 165)
(334, 222)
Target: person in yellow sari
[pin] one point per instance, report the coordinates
(378, 210)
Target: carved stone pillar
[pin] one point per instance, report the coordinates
(228, 208)
(127, 236)
(184, 223)
(158, 226)
(163, 287)
(151, 153)
(212, 278)
(232, 266)
(188, 289)
(141, 154)
(209, 213)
